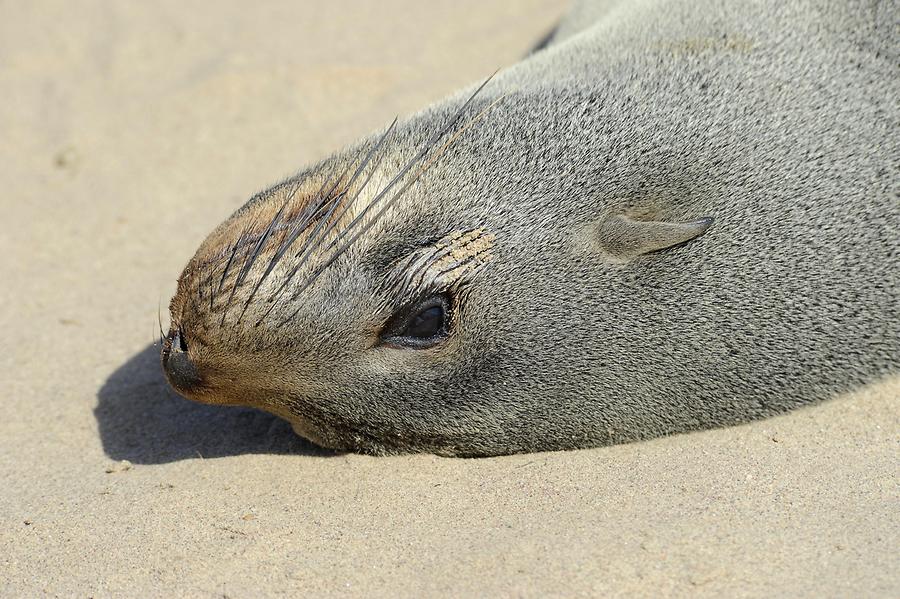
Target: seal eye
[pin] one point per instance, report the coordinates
(421, 326)
(426, 323)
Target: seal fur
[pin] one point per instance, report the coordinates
(686, 215)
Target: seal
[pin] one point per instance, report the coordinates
(670, 218)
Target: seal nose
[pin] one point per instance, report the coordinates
(181, 372)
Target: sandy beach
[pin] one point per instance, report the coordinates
(129, 131)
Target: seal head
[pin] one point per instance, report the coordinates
(378, 322)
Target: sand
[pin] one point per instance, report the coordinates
(128, 131)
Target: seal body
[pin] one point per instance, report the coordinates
(678, 215)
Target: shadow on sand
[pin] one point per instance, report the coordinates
(142, 420)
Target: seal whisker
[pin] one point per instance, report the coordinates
(397, 195)
(310, 213)
(313, 241)
(251, 257)
(260, 243)
(429, 144)
(329, 224)
(230, 261)
(159, 319)
(307, 215)
(237, 244)
(349, 204)
(325, 199)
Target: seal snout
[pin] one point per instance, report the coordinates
(180, 370)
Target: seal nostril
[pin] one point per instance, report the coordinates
(181, 372)
(179, 368)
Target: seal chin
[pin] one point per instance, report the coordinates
(304, 428)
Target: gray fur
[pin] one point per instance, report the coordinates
(777, 119)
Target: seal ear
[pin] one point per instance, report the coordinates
(625, 238)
